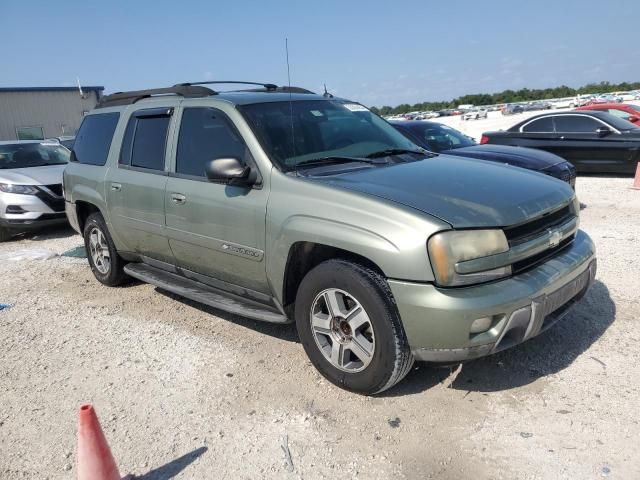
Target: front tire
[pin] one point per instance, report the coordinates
(107, 266)
(350, 328)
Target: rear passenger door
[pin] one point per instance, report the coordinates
(214, 229)
(136, 186)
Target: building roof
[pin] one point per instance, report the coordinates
(51, 89)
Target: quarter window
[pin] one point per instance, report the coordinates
(542, 125)
(576, 124)
(206, 134)
(93, 140)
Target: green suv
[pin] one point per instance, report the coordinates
(281, 205)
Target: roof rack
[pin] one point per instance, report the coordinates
(127, 98)
(187, 90)
(283, 89)
(268, 86)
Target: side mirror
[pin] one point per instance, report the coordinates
(603, 131)
(228, 170)
(633, 118)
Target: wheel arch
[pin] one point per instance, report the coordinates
(83, 210)
(303, 256)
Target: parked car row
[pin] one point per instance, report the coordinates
(592, 140)
(440, 138)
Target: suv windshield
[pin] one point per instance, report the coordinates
(300, 131)
(26, 155)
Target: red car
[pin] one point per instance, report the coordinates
(625, 111)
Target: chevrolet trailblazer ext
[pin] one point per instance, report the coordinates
(282, 205)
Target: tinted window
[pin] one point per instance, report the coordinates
(94, 138)
(205, 134)
(544, 124)
(576, 124)
(149, 142)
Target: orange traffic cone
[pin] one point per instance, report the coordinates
(95, 461)
(636, 181)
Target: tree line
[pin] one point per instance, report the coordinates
(509, 96)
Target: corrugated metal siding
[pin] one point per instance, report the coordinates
(58, 113)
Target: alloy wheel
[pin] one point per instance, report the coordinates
(99, 250)
(342, 330)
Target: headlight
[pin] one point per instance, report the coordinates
(450, 247)
(19, 189)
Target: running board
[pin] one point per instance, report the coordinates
(202, 293)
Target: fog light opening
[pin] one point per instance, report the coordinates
(15, 209)
(481, 324)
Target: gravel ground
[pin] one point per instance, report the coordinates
(185, 391)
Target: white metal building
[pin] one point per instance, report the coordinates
(34, 113)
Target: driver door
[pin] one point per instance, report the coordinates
(214, 229)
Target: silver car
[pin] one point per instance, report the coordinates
(31, 185)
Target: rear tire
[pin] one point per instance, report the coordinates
(350, 328)
(107, 266)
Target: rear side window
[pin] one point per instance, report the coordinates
(542, 125)
(94, 138)
(206, 134)
(145, 139)
(576, 124)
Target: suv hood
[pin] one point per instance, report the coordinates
(519, 156)
(48, 175)
(464, 193)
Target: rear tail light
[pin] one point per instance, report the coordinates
(484, 139)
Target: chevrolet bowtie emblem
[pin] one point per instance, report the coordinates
(554, 238)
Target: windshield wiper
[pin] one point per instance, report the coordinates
(398, 151)
(338, 159)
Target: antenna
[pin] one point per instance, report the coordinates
(326, 94)
(293, 137)
(79, 87)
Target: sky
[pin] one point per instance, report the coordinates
(375, 52)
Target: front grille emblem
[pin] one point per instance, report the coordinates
(555, 236)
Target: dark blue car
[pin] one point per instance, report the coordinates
(440, 138)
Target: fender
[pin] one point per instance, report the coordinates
(406, 261)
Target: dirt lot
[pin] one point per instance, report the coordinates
(185, 391)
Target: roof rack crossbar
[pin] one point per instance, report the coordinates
(127, 98)
(268, 86)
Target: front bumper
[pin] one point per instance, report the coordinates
(438, 321)
(44, 220)
(25, 212)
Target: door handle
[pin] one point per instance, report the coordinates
(178, 198)
(116, 187)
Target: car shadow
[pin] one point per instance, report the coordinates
(51, 233)
(550, 352)
(286, 332)
(171, 469)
